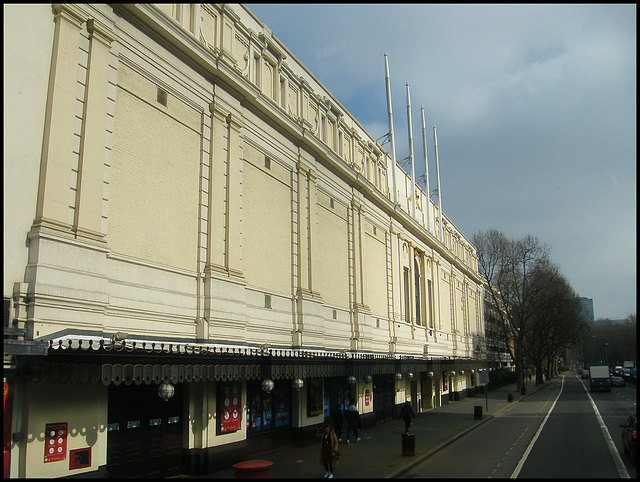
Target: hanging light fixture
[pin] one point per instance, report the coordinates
(430, 374)
(351, 380)
(410, 375)
(166, 391)
(298, 383)
(368, 378)
(398, 376)
(267, 385)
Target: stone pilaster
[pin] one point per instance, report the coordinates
(90, 180)
(52, 209)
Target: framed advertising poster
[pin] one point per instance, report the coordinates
(315, 400)
(231, 408)
(55, 442)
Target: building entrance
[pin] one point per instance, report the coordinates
(144, 433)
(383, 397)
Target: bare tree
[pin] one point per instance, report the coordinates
(509, 269)
(557, 322)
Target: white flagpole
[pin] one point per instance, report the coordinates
(391, 138)
(413, 171)
(435, 143)
(426, 167)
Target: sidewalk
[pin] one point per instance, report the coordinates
(379, 453)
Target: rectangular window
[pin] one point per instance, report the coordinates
(162, 96)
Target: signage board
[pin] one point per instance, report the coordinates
(55, 442)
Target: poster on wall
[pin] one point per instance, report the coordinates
(267, 411)
(282, 406)
(55, 442)
(231, 410)
(315, 400)
(254, 421)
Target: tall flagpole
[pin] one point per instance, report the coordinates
(435, 143)
(391, 138)
(426, 167)
(413, 171)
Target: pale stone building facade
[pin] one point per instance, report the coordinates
(186, 206)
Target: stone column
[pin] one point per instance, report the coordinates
(52, 209)
(412, 284)
(216, 249)
(396, 271)
(303, 229)
(89, 185)
(307, 225)
(233, 231)
(436, 295)
(358, 277)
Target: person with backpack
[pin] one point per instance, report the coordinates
(352, 417)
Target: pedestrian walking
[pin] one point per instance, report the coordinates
(328, 450)
(407, 414)
(352, 417)
(338, 421)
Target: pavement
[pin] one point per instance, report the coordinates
(380, 452)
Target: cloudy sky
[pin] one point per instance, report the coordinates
(535, 108)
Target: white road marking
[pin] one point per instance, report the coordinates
(622, 470)
(535, 437)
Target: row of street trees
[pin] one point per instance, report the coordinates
(537, 308)
(609, 341)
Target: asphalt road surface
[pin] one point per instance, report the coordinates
(559, 431)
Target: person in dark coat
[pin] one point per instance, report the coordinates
(352, 417)
(338, 421)
(407, 414)
(328, 450)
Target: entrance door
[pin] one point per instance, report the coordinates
(383, 397)
(144, 433)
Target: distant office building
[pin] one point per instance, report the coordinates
(587, 308)
(498, 347)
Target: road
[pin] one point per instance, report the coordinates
(555, 432)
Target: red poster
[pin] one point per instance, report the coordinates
(231, 416)
(55, 442)
(366, 398)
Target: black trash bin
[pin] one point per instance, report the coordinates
(408, 444)
(477, 412)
